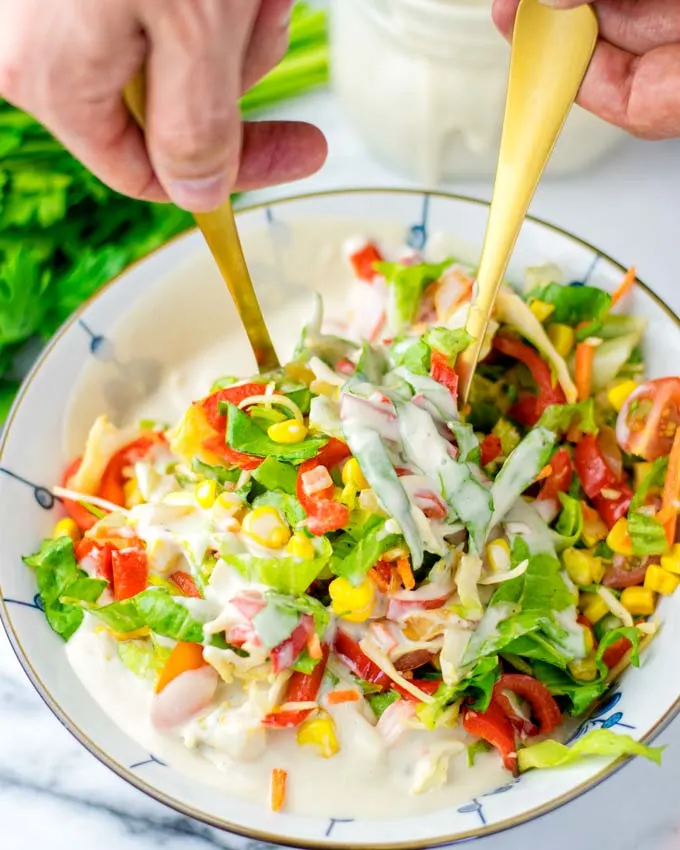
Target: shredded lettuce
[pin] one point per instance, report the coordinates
(274, 474)
(581, 695)
(143, 657)
(610, 358)
(372, 363)
(575, 304)
(569, 526)
(447, 341)
(559, 417)
(244, 435)
(406, 286)
(654, 478)
(354, 556)
(275, 622)
(647, 535)
(477, 684)
(62, 585)
(412, 353)
(520, 470)
(379, 703)
(286, 575)
(217, 473)
(468, 444)
(597, 742)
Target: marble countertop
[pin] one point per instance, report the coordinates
(55, 795)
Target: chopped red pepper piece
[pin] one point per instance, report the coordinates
(358, 662)
(494, 727)
(559, 479)
(525, 411)
(130, 572)
(302, 687)
(543, 705)
(287, 652)
(362, 261)
(611, 510)
(540, 371)
(234, 395)
(113, 481)
(614, 654)
(324, 514)
(490, 448)
(79, 514)
(443, 373)
(595, 476)
(186, 584)
(99, 555)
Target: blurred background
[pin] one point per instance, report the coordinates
(409, 92)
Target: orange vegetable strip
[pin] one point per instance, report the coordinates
(584, 370)
(671, 491)
(337, 697)
(278, 789)
(184, 657)
(406, 573)
(626, 285)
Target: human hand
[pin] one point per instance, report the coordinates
(67, 62)
(634, 78)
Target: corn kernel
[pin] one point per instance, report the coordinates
(638, 600)
(594, 528)
(584, 669)
(562, 338)
(541, 310)
(618, 394)
(592, 606)
(67, 528)
(588, 639)
(348, 496)
(671, 561)
(498, 556)
(131, 493)
(265, 526)
(582, 567)
(229, 502)
(618, 538)
(354, 604)
(319, 732)
(660, 581)
(301, 547)
(290, 431)
(206, 493)
(299, 372)
(352, 474)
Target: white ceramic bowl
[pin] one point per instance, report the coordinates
(138, 335)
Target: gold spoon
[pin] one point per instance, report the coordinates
(219, 230)
(551, 51)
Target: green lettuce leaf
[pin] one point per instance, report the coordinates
(381, 702)
(372, 363)
(477, 684)
(353, 560)
(647, 535)
(630, 633)
(244, 435)
(281, 614)
(559, 417)
(413, 353)
(575, 304)
(468, 444)
(274, 474)
(581, 695)
(62, 585)
(569, 524)
(520, 470)
(447, 341)
(286, 575)
(598, 742)
(287, 505)
(305, 663)
(654, 478)
(216, 473)
(406, 286)
(143, 658)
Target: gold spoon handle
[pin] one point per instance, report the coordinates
(551, 51)
(220, 232)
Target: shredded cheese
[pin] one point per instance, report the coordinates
(85, 499)
(615, 606)
(497, 578)
(274, 398)
(370, 648)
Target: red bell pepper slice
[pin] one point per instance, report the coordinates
(559, 479)
(613, 654)
(358, 662)
(130, 572)
(234, 395)
(525, 411)
(362, 261)
(288, 651)
(99, 555)
(113, 481)
(595, 476)
(490, 448)
(443, 373)
(324, 514)
(302, 687)
(494, 727)
(79, 514)
(230, 456)
(543, 705)
(186, 584)
(540, 371)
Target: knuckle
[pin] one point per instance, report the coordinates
(201, 139)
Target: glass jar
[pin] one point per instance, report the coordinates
(424, 83)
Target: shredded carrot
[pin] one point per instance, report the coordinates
(314, 646)
(184, 657)
(278, 795)
(406, 573)
(626, 285)
(584, 370)
(546, 472)
(336, 697)
(671, 491)
(378, 580)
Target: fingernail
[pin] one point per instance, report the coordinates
(201, 195)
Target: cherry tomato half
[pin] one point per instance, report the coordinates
(648, 420)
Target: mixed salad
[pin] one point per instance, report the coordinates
(344, 534)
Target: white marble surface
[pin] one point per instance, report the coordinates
(54, 795)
